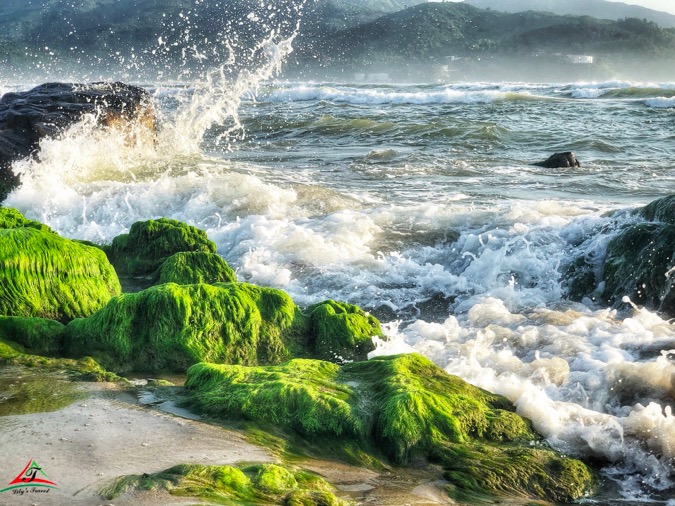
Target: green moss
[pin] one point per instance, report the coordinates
(186, 268)
(39, 335)
(636, 264)
(44, 275)
(302, 395)
(340, 331)
(170, 327)
(85, 369)
(149, 243)
(404, 407)
(661, 210)
(11, 218)
(257, 484)
(274, 479)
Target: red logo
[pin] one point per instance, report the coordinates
(31, 476)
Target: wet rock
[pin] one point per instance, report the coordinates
(402, 408)
(169, 327)
(560, 160)
(47, 276)
(49, 109)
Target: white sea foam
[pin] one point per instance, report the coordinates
(661, 103)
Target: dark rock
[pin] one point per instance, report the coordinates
(49, 109)
(639, 264)
(559, 160)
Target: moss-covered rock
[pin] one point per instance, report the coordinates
(85, 369)
(255, 484)
(44, 275)
(186, 268)
(639, 264)
(11, 218)
(170, 327)
(149, 243)
(39, 335)
(341, 332)
(403, 407)
(661, 210)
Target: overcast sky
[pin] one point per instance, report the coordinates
(657, 5)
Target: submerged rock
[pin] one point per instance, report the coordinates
(49, 109)
(45, 275)
(560, 160)
(639, 263)
(253, 484)
(403, 407)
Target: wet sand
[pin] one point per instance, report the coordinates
(86, 445)
(117, 431)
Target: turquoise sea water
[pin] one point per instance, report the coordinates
(420, 203)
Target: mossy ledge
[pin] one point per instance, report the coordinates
(47, 276)
(403, 407)
(170, 327)
(253, 484)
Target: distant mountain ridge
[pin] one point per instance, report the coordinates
(439, 30)
(600, 9)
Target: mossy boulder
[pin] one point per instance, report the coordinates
(640, 260)
(44, 275)
(149, 243)
(189, 267)
(403, 407)
(341, 332)
(254, 484)
(39, 335)
(170, 327)
(11, 218)
(639, 264)
(661, 210)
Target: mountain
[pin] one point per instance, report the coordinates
(439, 30)
(600, 9)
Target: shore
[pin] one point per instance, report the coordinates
(115, 431)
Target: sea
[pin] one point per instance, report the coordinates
(421, 203)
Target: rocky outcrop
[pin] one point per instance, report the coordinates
(49, 109)
(639, 264)
(403, 408)
(47, 276)
(560, 160)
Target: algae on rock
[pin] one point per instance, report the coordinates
(341, 332)
(254, 484)
(39, 335)
(170, 327)
(149, 243)
(189, 267)
(403, 407)
(44, 275)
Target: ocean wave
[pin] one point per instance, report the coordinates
(661, 102)
(388, 96)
